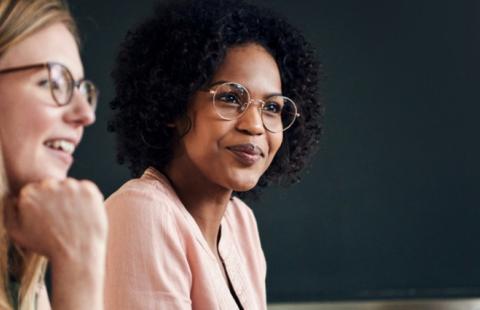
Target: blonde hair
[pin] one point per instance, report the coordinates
(18, 20)
(4, 301)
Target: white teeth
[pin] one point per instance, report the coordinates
(62, 145)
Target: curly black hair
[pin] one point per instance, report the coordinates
(170, 56)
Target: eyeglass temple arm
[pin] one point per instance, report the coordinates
(10, 70)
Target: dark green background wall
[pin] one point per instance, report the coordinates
(389, 206)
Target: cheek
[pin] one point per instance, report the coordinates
(24, 122)
(207, 131)
(275, 141)
(30, 121)
(26, 157)
(26, 108)
(27, 118)
(203, 142)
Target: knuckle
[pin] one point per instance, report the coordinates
(48, 183)
(46, 186)
(70, 185)
(25, 191)
(70, 182)
(90, 188)
(88, 184)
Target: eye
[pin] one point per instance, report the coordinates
(55, 85)
(272, 107)
(230, 98)
(44, 83)
(47, 83)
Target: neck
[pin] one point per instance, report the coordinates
(205, 200)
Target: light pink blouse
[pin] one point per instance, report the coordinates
(158, 258)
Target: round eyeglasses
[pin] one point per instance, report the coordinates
(62, 84)
(231, 100)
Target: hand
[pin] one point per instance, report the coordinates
(62, 220)
(66, 222)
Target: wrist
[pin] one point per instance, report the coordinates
(86, 261)
(77, 278)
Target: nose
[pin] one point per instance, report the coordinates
(251, 121)
(79, 110)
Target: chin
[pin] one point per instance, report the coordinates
(61, 175)
(55, 174)
(243, 185)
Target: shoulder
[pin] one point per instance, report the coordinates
(147, 264)
(142, 214)
(147, 187)
(144, 206)
(147, 194)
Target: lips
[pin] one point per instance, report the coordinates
(248, 154)
(61, 145)
(62, 148)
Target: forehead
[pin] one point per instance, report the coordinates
(52, 43)
(252, 66)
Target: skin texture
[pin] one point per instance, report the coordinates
(204, 170)
(62, 219)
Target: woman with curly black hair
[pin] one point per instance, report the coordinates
(215, 99)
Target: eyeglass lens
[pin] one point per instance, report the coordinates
(232, 99)
(89, 92)
(62, 85)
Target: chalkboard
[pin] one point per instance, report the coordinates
(389, 206)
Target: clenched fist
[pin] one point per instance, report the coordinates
(66, 222)
(59, 219)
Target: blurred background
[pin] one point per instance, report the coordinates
(389, 206)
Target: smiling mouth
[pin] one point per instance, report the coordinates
(61, 145)
(248, 154)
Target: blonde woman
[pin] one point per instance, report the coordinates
(45, 103)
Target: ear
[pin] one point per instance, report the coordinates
(183, 125)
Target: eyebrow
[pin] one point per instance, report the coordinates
(224, 81)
